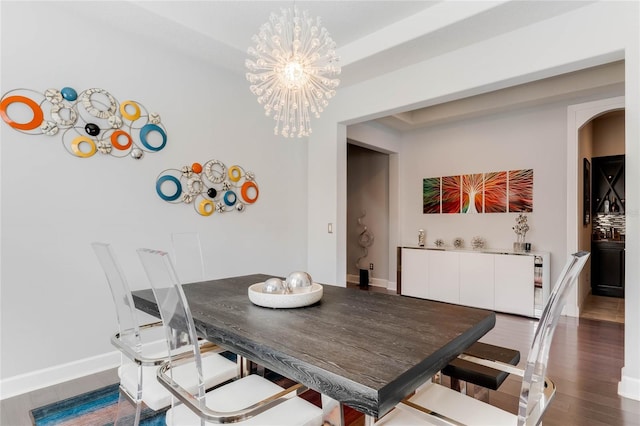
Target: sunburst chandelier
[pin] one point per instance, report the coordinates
(291, 70)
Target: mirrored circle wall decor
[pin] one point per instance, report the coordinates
(88, 123)
(209, 187)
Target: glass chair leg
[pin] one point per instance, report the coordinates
(127, 412)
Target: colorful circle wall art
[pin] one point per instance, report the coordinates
(88, 123)
(210, 187)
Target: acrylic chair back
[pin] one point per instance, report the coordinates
(187, 256)
(128, 339)
(121, 294)
(180, 330)
(128, 327)
(534, 395)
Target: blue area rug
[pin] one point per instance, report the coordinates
(93, 408)
(96, 408)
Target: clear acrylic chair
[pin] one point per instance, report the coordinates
(187, 256)
(250, 400)
(438, 405)
(143, 349)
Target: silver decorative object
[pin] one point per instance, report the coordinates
(115, 121)
(421, 237)
(49, 128)
(87, 102)
(521, 227)
(458, 243)
(57, 117)
(439, 242)
(137, 153)
(154, 118)
(215, 171)
(365, 240)
(298, 282)
(273, 285)
(240, 207)
(104, 147)
(53, 95)
(194, 185)
(478, 243)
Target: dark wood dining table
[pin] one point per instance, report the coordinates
(366, 349)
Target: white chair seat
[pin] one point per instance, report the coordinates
(245, 392)
(215, 369)
(449, 403)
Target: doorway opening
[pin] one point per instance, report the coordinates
(579, 227)
(602, 146)
(367, 216)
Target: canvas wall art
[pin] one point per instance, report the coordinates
(521, 191)
(431, 195)
(495, 192)
(472, 187)
(491, 192)
(451, 194)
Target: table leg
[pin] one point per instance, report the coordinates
(369, 420)
(244, 366)
(332, 413)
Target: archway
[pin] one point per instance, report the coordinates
(577, 116)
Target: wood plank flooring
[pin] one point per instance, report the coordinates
(585, 363)
(603, 308)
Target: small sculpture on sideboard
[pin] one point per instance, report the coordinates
(521, 227)
(421, 237)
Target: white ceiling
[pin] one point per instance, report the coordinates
(373, 37)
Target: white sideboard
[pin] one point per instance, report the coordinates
(503, 281)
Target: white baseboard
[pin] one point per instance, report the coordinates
(38, 379)
(376, 282)
(629, 387)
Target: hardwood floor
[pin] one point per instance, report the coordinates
(603, 308)
(585, 362)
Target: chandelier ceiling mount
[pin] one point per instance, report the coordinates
(291, 70)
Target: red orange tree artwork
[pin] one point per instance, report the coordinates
(492, 192)
(451, 194)
(472, 193)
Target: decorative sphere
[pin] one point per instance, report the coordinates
(69, 94)
(92, 129)
(273, 285)
(137, 153)
(299, 282)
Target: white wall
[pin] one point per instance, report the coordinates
(524, 139)
(593, 35)
(56, 306)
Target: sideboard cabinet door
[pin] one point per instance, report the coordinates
(477, 280)
(514, 284)
(443, 276)
(414, 273)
